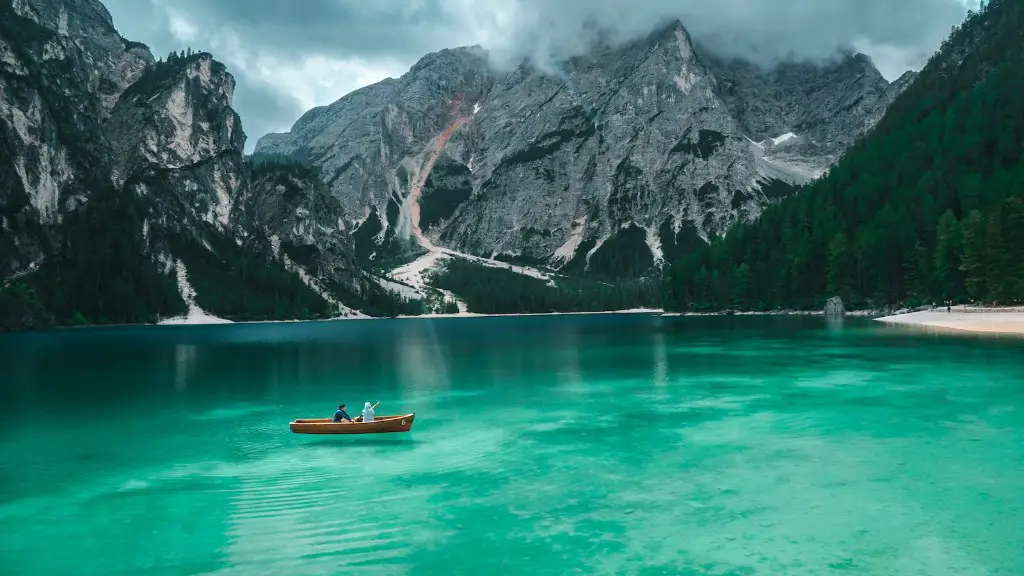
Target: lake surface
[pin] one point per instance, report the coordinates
(542, 445)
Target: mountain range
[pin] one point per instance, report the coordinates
(624, 159)
(926, 208)
(126, 196)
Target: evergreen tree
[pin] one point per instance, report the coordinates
(995, 258)
(702, 290)
(489, 290)
(948, 250)
(741, 287)
(973, 263)
(839, 266)
(1013, 238)
(884, 225)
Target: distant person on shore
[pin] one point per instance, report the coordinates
(341, 414)
(367, 413)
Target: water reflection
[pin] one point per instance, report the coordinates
(747, 429)
(184, 365)
(834, 322)
(660, 355)
(420, 361)
(570, 370)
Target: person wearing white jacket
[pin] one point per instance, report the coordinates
(367, 413)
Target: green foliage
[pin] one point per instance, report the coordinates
(244, 282)
(489, 290)
(156, 75)
(263, 164)
(624, 254)
(374, 300)
(928, 207)
(948, 254)
(100, 271)
(20, 309)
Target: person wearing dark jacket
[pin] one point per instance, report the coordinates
(341, 414)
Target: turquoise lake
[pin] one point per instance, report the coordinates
(602, 444)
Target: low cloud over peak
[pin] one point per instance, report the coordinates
(290, 55)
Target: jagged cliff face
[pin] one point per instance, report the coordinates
(292, 207)
(372, 144)
(818, 111)
(86, 114)
(631, 156)
(62, 66)
(176, 121)
(84, 29)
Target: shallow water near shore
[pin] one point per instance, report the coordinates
(543, 445)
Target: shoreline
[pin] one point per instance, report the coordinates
(963, 320)
(205, 319)
(848, 313)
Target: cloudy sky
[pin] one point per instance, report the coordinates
(290, 55)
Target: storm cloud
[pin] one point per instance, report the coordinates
(290, 55)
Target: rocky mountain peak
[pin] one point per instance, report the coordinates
(859, 63)
(177, 114)
(462, 55)
(674, 30)
(69, 17)
(127, 196)
(626, 158)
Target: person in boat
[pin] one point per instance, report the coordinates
(341, 414)
(367, 413)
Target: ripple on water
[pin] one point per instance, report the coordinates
(281, 517)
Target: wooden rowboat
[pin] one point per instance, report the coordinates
(380, 425)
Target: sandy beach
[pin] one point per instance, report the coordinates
(992, 320)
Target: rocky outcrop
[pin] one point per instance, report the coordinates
(176, 126)
(83, 30)
(176, 115)
(61, 67)
(834, 307)
(100, 141)
(629, 154)
(291, 206)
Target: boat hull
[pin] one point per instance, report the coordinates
(380, 425)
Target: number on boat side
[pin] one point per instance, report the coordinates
(403, 422)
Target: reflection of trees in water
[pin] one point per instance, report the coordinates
(834, 322)
(185, 361)
(420, 362)
(660, 359)
(571, 373)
